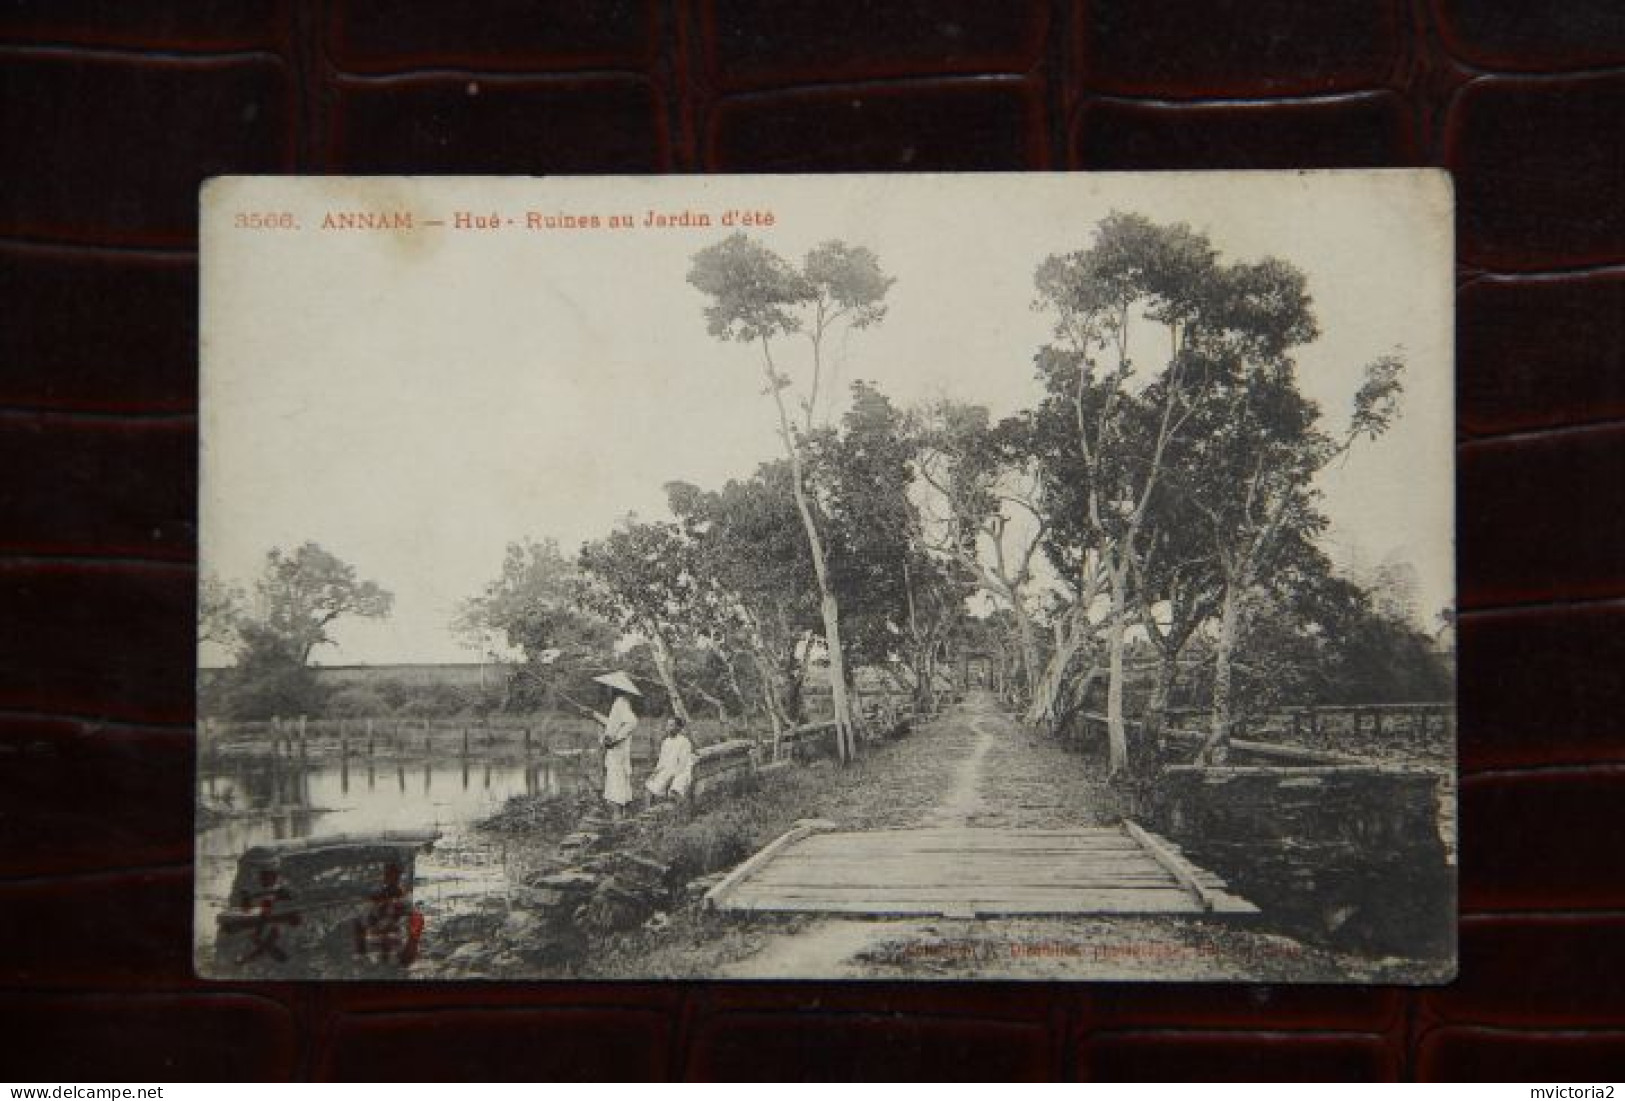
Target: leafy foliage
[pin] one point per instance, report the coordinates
(1312, 636)
(754, 293)
(1159, 500)
(300, 594)
(639, 578)
(268, 678)
(297, 597)
(901, 601)
(220, 610)
(755, 589)
(533, 606)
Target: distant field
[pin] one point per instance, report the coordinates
(396, 738)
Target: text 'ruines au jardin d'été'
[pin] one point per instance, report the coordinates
(538, 220)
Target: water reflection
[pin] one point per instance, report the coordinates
(278, 799)
(278, 786)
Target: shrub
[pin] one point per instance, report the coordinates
(356, 701)
(716, 840)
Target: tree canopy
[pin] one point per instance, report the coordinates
(755, 295)
(1154, 516)
(297, 597)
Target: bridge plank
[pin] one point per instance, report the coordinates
(1063, 877)
(854, 841)
(970, 870)
(949, 856)
(903, 871)
(1069, 903)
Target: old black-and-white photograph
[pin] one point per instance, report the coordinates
(856, 577)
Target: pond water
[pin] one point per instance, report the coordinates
(274, 799)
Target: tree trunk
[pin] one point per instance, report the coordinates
(845, 738)
(922, 679)
(1074, 699)
(1116, 732)
(733, 683)
(668, 676)
(1028, 647)
(767, 680)
(1047, 692)
(1217, 746)
(793, 692)
(1150, 750)
(770, 698)
(829, 609)
(1162, 690)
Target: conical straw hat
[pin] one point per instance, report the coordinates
(619, 681)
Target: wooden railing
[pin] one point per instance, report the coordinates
(799, 741)
(1276, 753)
(1271, 752)
(1362, 718)
(717, 765)
(1420, 716)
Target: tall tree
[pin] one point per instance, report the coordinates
(754, 574)
(297, 597)
(1110, 426)
(756, 297)
(266, 679)
(300, 594)
(1309, 635)
(983, 512)
(1178, 587)
(532, 605)
(1250, 469)
(900, 601)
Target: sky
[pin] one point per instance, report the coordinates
(415, 400)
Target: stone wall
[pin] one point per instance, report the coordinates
(1348, 856)
(1181, 747)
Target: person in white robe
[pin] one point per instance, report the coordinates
(674, 771)
(616, 740)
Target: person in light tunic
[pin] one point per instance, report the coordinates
(616, 739)
(674, 772)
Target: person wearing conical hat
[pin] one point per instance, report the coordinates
(616, 738)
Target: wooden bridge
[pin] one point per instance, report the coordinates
(969, 872)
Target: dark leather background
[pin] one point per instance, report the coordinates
(111, 111)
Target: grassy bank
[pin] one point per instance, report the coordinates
(887, 786)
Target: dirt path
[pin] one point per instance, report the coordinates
(976, 766)
(964, 804)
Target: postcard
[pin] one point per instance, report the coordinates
(921, 577)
